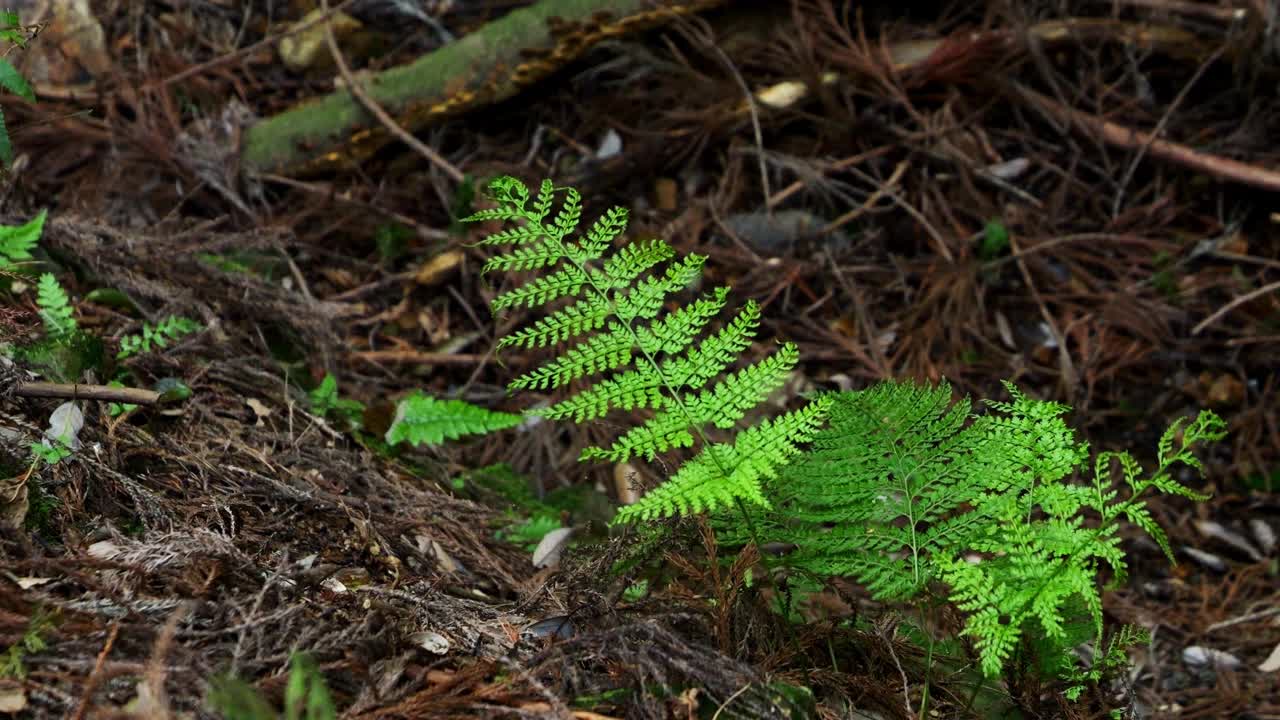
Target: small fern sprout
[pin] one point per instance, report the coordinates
(55, 307)
(613, 324)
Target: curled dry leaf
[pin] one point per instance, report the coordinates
(431, 641)
(1203, 656)
(1207, 559)
(547, 554)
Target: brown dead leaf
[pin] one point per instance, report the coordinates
(438, 267)
(1225, 390)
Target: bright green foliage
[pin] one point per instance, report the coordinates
(613, 324)
(17, 241)
(11, 31)
(904, 488)
(55, 307)
(306, 697)
(52, 452)
(325, 400)
(424, 419)
(893, 467)
(157, 336)
(529, 533)
(995, 240)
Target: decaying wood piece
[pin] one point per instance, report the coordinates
(487, 66)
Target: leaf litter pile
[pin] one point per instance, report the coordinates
(1075, 196)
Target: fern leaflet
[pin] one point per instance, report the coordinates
(156, 336)
(17, 241)
(55, 307)
(616, 324)
(423, 419)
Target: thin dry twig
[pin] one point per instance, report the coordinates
(265, 42)
(72, 391)
(1200, 326)
(357, 91)
(91, 683)
(1131, 139)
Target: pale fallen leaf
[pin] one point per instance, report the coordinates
(557, 627)
(1263, 533)
(13, 698)
(430, 548)
(1005, 332)
(1009, 169)
(26, 583)
(431, 641)
(300, 49)
(1207, 559)
(610, 145)
(333, 584)
(435, 269)
(260, 409)
(1198, 655)
(1272, 663)
(104, 550)
(1217, 531)
(547, 554)
(65, 425)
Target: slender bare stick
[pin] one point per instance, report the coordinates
(357, 91)
(136, 396)
(1120, 136)
(1200, 326)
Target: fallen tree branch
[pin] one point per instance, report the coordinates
(489, 65)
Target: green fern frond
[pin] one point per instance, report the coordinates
(722, 406)
(619, 325)
(614, 348)
(755, 457)
(17, 241)
(905, 488)
(423, 419)
(55, 307)
(888, 475)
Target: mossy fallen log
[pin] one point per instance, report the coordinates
(486, 66)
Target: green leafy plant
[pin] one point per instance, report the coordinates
(17, 241)
(306, 697)
(65, 351)
(12, 663)
(55, 307)
(650, 360)
(424, 419)
(156, 336)
(905, 488)
(12, 32)
(325, 400)
(52, 452)
(529, 533)
(994, 241)
(906, 491)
